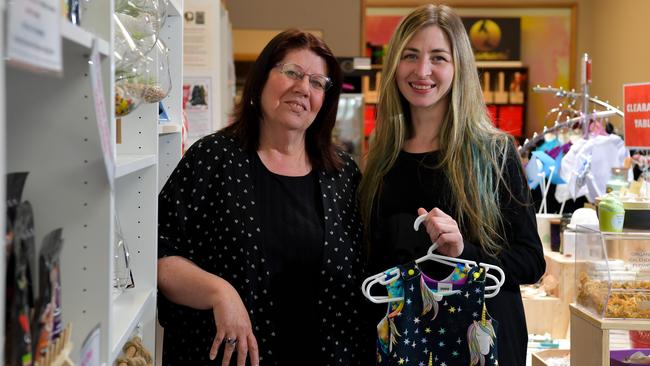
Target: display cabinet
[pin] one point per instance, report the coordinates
(613, 273)
(612, 291)
(504, 91)
(591, 335)
(52, 133)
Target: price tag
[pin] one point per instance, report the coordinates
(34, 34)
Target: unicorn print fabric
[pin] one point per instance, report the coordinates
(430, 329)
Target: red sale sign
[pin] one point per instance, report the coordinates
(637, 115)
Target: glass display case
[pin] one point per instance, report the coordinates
(613, 273)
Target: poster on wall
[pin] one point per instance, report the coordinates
(636, 103)
(494, 39)
(196, 102)
(196, 36)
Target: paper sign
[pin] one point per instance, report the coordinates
(197, 39)
(34, 34)
(100, 113)
(637, 115)
(197, 106)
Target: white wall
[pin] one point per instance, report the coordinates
(339, 20)
(205, 44)
(615, 35)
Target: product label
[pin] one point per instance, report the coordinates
(444, 287)
(617, 221)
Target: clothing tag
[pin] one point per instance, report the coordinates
(444, 287)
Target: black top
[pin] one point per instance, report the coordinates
(209, 213)
(292, 228)
(414, 182)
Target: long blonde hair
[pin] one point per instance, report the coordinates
(469, 144)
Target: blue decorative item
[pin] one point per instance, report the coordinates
(543, 163)
(533, 170)
(162, 112)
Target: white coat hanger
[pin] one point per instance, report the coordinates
(385, 278)
(490, 291)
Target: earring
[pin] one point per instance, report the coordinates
(251, 103)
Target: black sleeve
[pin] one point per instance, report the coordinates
(175, 207)
(369, 312)
(522, 258)
(352, 220)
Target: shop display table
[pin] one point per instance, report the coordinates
(590, 335)
(555, 306)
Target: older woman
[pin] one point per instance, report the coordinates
(259, 235)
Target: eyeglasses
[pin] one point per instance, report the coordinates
(316, 81)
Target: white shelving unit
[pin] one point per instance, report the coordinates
(51, 132)
(3, 209)
(169, 132)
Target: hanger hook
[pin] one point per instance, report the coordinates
(418, 222)
(416, 226)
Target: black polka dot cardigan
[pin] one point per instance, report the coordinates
(207, 214)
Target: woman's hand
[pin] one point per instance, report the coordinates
(443, 230)
(234, 328)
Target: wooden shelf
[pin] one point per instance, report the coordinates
(498, 64)
(505, 104)
(539, 358)
(590, 336)
(608, 324)
(165, 128)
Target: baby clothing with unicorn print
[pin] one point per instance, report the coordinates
(438, 323)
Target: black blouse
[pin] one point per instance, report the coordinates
(414, 182)
(291, 221)
(209, 213)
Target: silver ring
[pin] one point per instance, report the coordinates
(231, 341)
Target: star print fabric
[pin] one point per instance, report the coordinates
(430, 329)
